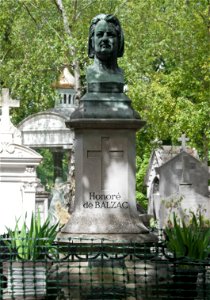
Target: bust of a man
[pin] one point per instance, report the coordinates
(106, 44)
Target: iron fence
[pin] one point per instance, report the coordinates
(99, 269)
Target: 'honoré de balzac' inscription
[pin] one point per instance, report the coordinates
(105, 201)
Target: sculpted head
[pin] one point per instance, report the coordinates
(106, 38)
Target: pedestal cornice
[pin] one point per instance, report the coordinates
(134, 124)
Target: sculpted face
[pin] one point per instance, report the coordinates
(105, 40)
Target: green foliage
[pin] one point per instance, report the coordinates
(166, 65)
(34, 47)
(191, 240)
(31, 243)
(141, 166)
(45, 170)
(166, 61)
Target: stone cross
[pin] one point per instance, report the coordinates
(183, 139)
(105, 154)
(6, 102)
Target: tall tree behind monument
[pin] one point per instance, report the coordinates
(166, 59)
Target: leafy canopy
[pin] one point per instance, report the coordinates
(166, 60)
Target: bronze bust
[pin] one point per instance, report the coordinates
(105, 97)
(105, 45)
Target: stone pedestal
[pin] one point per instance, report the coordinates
(105, 204)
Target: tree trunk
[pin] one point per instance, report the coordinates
(71, 48)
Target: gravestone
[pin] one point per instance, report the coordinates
(105, 126)
(42, 201)
(180, 185)
(183, 188)
(47, 129)
(7, 130)
(17, 170)
(183, 139)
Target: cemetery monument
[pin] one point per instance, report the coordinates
(105, 126)
(47, 129)
(18, 179)
(177, 181)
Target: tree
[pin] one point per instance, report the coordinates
(29, 51)
(165, 62)
(167, 68)
(37, 38)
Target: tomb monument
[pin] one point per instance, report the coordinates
(105, 126)
(18, 164)
(177, 182)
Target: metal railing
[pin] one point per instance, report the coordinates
(100, 269)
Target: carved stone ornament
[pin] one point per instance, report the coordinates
(30, 169)
(7, 147)
(29, 187)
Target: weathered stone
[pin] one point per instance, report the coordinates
(105, 183)
(42, 201)
(180, 185)
(17, 172)
(59, 205)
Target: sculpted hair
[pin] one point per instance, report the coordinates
(109, 19)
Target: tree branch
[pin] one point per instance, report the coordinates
(75, 11)
(4, 56)
(71, 48)
(117, 9)
(30, 14)
(84, 8)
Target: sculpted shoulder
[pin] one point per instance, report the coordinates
(100, 74)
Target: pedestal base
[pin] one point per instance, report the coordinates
(105, 169)
(118, 238)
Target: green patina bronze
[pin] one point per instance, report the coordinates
(106, 44)
(105, 96)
